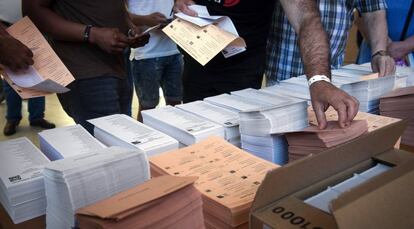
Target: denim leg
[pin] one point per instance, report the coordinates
(14, 103)
(36, 107)
(171, 78)
(147, 75)
(130, 84)
(364, 54)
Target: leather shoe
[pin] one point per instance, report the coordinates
(42, 123)
(10, 127)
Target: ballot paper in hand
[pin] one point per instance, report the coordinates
(183, 126)
(204, 36)
(22, 191)
(48, 73)
(67, 142)
(76, 182)
(124, 131)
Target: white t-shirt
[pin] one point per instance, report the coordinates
(11, 10)
(159, 44)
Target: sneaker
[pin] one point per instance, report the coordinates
(10, 127)
(42, 123)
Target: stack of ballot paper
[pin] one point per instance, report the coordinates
(313, 140)
(122, 130)
(81, 180)
(47, 75)
(400, 104)
(261, 129)
(228, 119)
(183, 126)
(162, 202)
(22, 191)
(67, 142)
(294, 87)
(323, 199)
(228, 178)
(236, 103)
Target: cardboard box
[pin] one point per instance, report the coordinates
(385, 201)
(7, 223)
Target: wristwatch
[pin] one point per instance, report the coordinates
(87, 33)
(380, 53)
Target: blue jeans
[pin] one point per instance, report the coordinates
(364, 54)
(128, 69)
(96, 97)
(36, 106)
(151, 74)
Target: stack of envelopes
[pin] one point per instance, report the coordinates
(22, 191)
(67, 142)
(81, 180)
(124, 131)
(162, 202)
(400, 104)
(183, 126)
(313, 140)
(228, 178)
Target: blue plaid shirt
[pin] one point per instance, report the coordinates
(283, 58)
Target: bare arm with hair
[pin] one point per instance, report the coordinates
(315, 51)
(375, 29)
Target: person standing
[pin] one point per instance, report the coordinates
(10, 12)
(90, 38)
(159, 63)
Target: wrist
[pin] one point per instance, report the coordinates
(93, 35)
(87, 33)
(380, 53)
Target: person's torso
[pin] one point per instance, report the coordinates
(83, 59)
(397, 13)
(159, 44)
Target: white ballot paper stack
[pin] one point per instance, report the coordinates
(22, 191)
(261, 129)
(67, 142)
(48, 73)
(228, 119)
(294, 87)
(204, 36)
(183, 126)
(124, 131)
(236, 103)
(78, 181)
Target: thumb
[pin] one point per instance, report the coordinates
(320, 115)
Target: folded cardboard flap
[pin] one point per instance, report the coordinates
(385, 201)
(325, 164)
(124, 203)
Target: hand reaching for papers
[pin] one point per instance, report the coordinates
(325, 94)
(137, 38)
(155, 19)
(14, 54)
(384, 65)
(182, 6)
(112, 40)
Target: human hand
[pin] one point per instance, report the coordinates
(111, 40)
(384, 65)
(155, 19)
(136, 38)
(14, 54)
(325, 94)
(182, 6)
(398, 50)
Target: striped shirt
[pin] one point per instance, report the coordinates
(283, 58)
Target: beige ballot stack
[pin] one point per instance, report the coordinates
(48, 73)
(400, 104)
(228, 178)
(313, 140)
(162, 202)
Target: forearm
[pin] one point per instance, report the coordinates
(50, 22)
(375, 30)
(410, 43)
(139, 20)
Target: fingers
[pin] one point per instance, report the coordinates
(352, 106)
(320, 115)
(382, 67)
(182, 6)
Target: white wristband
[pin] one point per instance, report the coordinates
(317, 78)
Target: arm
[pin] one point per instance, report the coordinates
(109, 39)
(315, 51)
(148, 20)
(13, 54)
(375, 29)
(182, 6)
(400, 49)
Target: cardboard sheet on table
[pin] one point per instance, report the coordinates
(47, 65)
(399, 92)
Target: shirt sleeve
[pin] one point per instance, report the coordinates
(366, 6)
